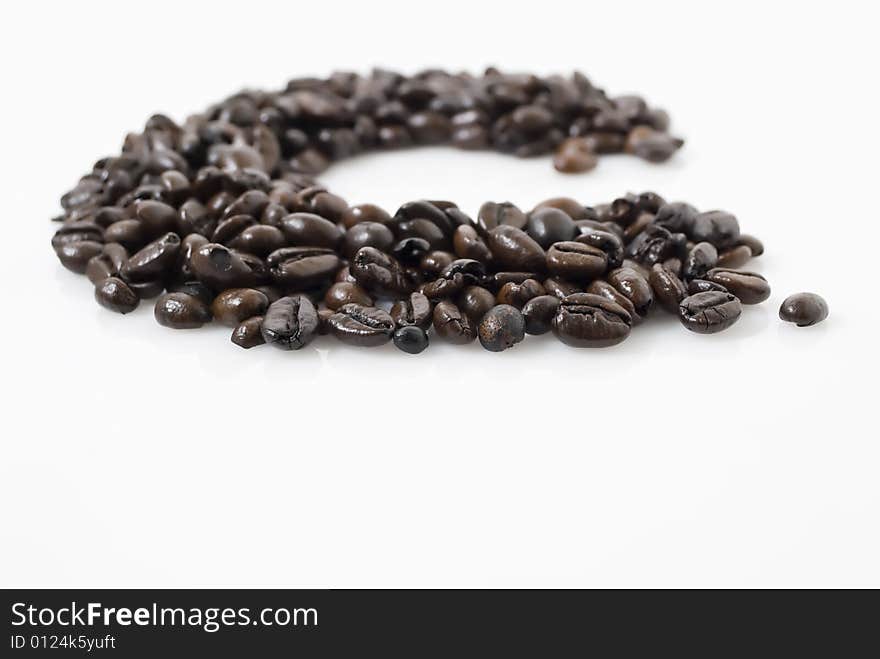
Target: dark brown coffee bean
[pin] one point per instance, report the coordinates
(259, 240)
(654, 245)
(75, 256)
(514, 249)
(560, 288)
(367, 234)
(803, 309)
(469, 245)
(608, 242)
(501, 328)
(717, 227)
(651, 145)
(300, 268)
(108, 263)
(379, 272)
(668, 289)
(153, 261)
(411, 339)
(634, 287)
(181, 311)
(604, 289)
(550, 225)
(538, 313)
(453, 325)
(220, 268)
(364, 213)
(361, 326)
(734, 257)
(235, 305)
(756, 247)
(414, 310)
(516, 295)
(701, 258)
(571, 207)
(290, 323)
(710, 312)
(749, 287)
(590, 321)
(475, 301)
(114, 294)
(309, 230)
(494, 214)
(435, 262)
(340, 294)
(575, 155)
(576, 261)
(248, 333)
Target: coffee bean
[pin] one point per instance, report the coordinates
(571, 207)
(361, 326)
(501, 328)
(703, 286)
(379, 272)
(560, 288)
(717, 227)
(575, 155)
(655, 244)
(701, 258)
(248, 333)
(451, 324)
(634, 287)
(301, 268)
(668, 289)
(803, 309)
(469, 245)
(411, 339)
(151, 262)
(608, 242)
(590, 321)
(290, 323)
(550, 225)
(75, 256)
(651, 145)
(310, 230)
(734, 257)
(114, 294)
(367, 234)
(576, 261)
(413, 310)
(710, 312)
(220, 268)
(538, 313)
(235, 305)
(493, 215)
(364, 213)
(410, 251)
(602, 288)
(749, 287)
(181, 311)
(475, 301)
(343, 293)
(756, 247)
(108, 263)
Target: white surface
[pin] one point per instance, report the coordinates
(134, 455)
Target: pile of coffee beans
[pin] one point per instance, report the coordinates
(220, 219)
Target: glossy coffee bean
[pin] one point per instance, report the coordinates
(410, 251)
(410, 339)
(703, 286)
(235, 305)
(346, 293)
(154, 260)
(469, 245)
(475, 301)
(452, 324)
(701, 258)
(75, 256)
(301, 268)
(259, 240)
(435, 262)
(710, 312)
(364, 213)
(367, 234)
(379, 272)
(560, 288)
(734, 257)
(538, 313)
(108, 263)
(310, 230)
(516, 295)
(443, 287)
(290, 323)
(803, 309)
(590, 321)
(181, 311)
(668, 289)
(413, 310)
(220, 268)
(608, 242)
(114, 294)
(634, 287)
(501, 328)
(749, 287)
(550, 225)
(717, 227)
(576, 261)
(494, 214)
(654, 245)
(248, 333)
(602, 288)
(358, 325)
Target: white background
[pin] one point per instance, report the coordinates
(135, 455)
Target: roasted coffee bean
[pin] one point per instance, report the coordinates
(259, 240)
(409, 251)
(379, 272)
(114, 294)
(538, 313)
(365, 213)
(361, 326)
(559, 287)
(75, 232)
(475, 301)
(418, 216)
(248, 333)
(608, 242)
(803, 309)
(451, 324)
(576, 261)
(734, 257)
(300, 268)
(717, 227)
(108, 263)
(634, 287)
(710, 312)
(235, 305)
(703, 286)
(749, 287)
(469, 245)
(756, 247)
(75, 256)
(493, 215)
(310, 230)
(156, 218)
(654, 245)
(651, 145)
(571, 207)
(181, 311)
(516, 295)
(676, 217)
(220, 268)
(550, 225)
(501, 328)
(193, 287)
(435, 262)
(153, 261)
(367, 234)
(411, 339)
(602, 288)
(413, 310)
(346, 293)
(514, 249)
(583, 320)
(147, 290)
(701, 258)
(668, 289)
(290, 323)
(575, 155)
(443, 287)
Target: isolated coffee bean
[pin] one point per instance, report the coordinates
(248, 333)
(668, 289)
(114, 294)
(410, 339)
(154, 260)
(516, 295)
(708, 313)
(346, 293)
(235, 305)
(181, 311)
(538, 313)
(413, 310)
(452, 324)
(358, 325)
(803, 309)
(701, 258)
(501, 328)
(576, 261)
(634, 287)
(290, 323)
(590, 321)
(550, 225)
(749, 287)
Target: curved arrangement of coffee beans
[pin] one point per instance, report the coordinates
(220, 218)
